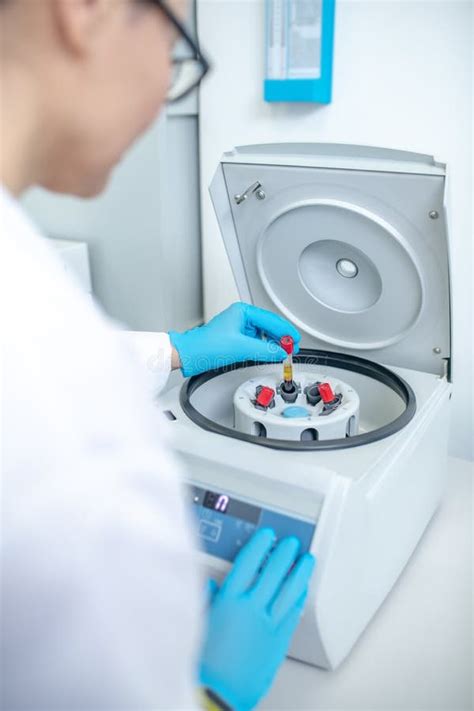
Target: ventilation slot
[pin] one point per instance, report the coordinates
(309, 435)
(259, 430)
(351, 426)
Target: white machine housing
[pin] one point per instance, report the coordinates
(383, 211)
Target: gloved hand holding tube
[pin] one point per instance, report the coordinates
(233, 336)
(252, 618)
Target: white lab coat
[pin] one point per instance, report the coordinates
(101, 597)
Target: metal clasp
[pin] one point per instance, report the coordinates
(240, 197)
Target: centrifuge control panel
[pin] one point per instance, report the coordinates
(226, 523)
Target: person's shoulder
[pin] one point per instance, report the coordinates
(21, 238)
(58, 344)
(39, 293)
(47, 318)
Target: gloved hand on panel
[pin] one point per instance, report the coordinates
(252, 618)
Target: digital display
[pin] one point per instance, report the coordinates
(225, 504)
(217, 502)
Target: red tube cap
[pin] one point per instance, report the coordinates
(265, 396)
(326, 392)
(287, 343)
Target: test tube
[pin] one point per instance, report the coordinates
(288, 344)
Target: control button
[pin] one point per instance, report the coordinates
(210, 531)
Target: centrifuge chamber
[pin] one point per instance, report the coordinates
(350, 244)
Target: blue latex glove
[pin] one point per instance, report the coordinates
(233, 336)
(252, 619)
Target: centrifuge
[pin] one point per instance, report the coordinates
(348, 450)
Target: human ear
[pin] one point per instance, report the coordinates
(80, 23)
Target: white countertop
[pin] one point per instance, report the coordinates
(416, 654)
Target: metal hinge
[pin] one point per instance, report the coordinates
(446, 374)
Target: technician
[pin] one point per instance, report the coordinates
(102, 604)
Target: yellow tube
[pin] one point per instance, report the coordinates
(288, 369)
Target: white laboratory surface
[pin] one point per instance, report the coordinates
(417, 653)
(350, 244)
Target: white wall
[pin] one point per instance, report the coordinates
(137, 232)
(402, 79)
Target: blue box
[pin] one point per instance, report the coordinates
(299, 31)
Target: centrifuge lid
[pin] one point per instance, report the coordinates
(347, 242)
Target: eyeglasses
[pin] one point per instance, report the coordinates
(187, 72)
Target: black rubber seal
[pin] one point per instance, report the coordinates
(311, 357)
